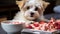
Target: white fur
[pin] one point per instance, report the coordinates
(20, 16)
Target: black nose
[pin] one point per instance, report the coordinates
(32, 14)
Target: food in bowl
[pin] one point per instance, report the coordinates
(50, 26)
(16, 22)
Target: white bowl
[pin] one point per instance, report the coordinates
(11, 28)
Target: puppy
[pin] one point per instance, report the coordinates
(31, 10)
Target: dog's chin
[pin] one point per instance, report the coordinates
(30, 18)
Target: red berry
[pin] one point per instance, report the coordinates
(29, 26)
(41, 22)
(58, 21)
(36, 24)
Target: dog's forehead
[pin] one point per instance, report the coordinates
(33, 2)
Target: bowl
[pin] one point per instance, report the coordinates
(11, 28)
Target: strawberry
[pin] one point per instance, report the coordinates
(58, 27)
(51, 26)
(58, 20)
(46, 27)
(36, 24)
(41, 22)
(36, 28)
(29, 26)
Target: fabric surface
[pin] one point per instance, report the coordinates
(54, 15)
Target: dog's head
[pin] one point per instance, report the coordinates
(32, 9)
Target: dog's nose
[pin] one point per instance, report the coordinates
(32, 14)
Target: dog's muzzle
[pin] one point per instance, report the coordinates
(32, 14)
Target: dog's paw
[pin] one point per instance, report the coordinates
(28, 22)
(45, 20)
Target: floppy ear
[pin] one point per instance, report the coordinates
(20, 4)
(45, 4)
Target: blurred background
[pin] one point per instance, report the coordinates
(8, 8)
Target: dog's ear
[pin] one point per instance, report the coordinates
(45, 4)
(20, 3)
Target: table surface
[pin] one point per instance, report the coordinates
(1, 30)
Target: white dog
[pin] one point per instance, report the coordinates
(30, 10)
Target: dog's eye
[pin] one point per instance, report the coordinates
(36, 8)
(28, 7)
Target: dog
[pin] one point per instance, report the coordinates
(31, 10)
